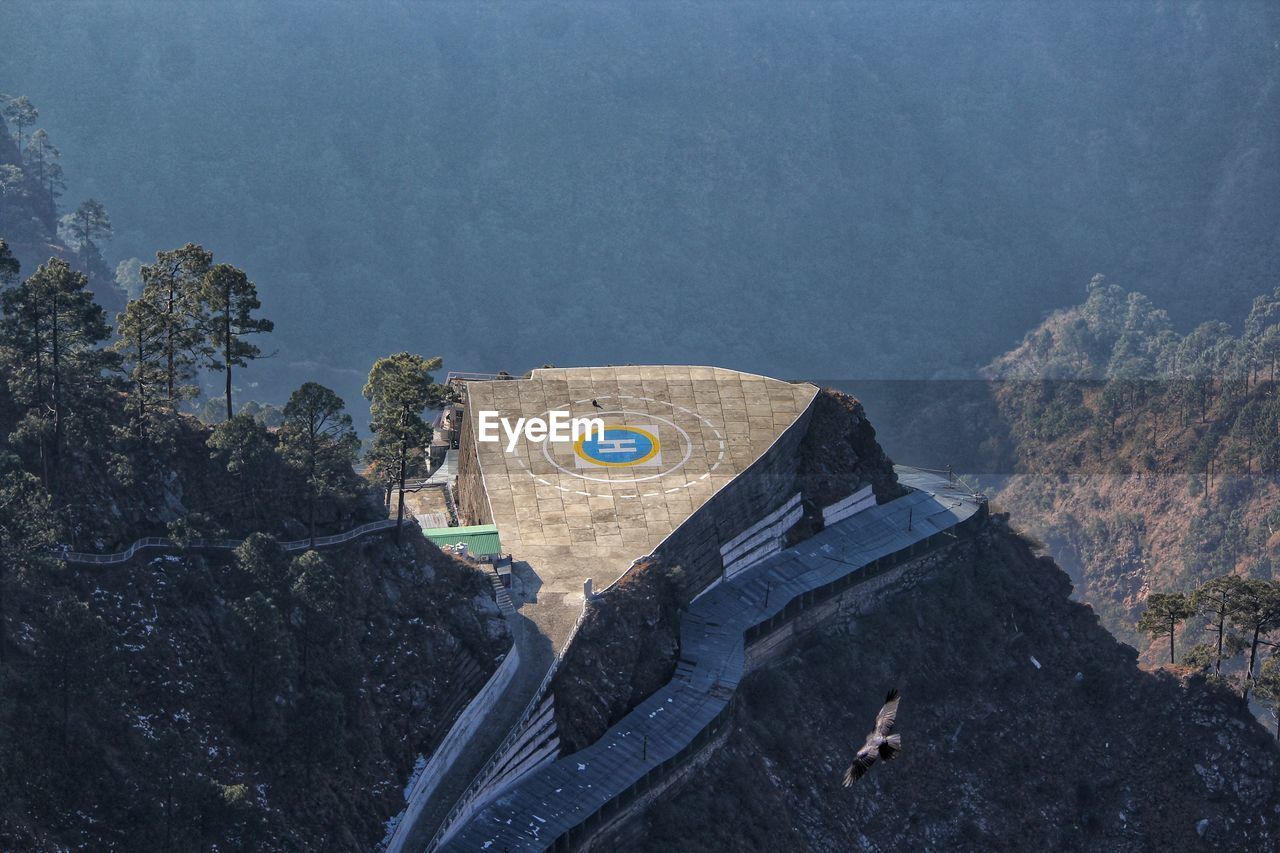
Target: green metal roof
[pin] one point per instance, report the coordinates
(481, 539)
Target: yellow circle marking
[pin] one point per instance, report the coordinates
(653, 448)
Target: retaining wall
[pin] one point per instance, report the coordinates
(852, 505)
(451, 747)
(473, 502)
(763, 487)
(839, 604)
(612, 827)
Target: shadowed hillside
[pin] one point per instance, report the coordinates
(1025, 725)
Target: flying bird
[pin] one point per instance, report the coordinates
(879, 744)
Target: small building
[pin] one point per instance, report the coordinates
(446, 430)
(479, 542)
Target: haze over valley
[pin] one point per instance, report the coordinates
(841, 190)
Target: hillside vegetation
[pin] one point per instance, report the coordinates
(257, 703)
(1145, 459)
(251, 699)
(1163, 470)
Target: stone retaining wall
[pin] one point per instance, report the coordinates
(767, 484)
(473, 502)
(831, 607)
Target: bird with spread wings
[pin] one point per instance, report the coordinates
(880, 744)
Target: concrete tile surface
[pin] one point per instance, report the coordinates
(566, 517)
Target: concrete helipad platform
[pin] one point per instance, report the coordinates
(676, 441)
(675, 436)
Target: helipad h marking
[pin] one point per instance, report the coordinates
(623, 446)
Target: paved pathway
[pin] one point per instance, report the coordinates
(550, 801)
(536, 655)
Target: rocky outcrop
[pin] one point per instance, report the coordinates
(626, 649)
(840, 454)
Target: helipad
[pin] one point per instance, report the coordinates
(673, 439)
(674, 436)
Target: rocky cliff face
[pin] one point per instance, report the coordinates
(1025, 725)
(627, 649)
(840, 454)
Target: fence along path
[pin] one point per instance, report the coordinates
(163, 543)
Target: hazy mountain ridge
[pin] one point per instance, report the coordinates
(1163, 472)
(1146, 459)
(605, 177)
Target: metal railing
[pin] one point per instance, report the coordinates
(165, 544)
(463, 376)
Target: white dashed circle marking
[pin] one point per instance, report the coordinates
(688, 450)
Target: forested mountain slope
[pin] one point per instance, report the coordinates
(1146, 460)
(253, 703)
(208, 699)
(1162, 472)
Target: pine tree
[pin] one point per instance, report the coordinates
(50, 332)
(262, 645)
(1260, 328)
(1255, 611)
(85, 229)
(1267, 689)
(318, 442)
(1214, 600)
(141, 347)
(244, 448)
(314, 594)
(231, 299)
(1164, 611)
(27, 531)
(9, 267)
(12, 186)
(22, 113)
(173, 286)
(400, 387)
(42, 161)
(262, 565)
